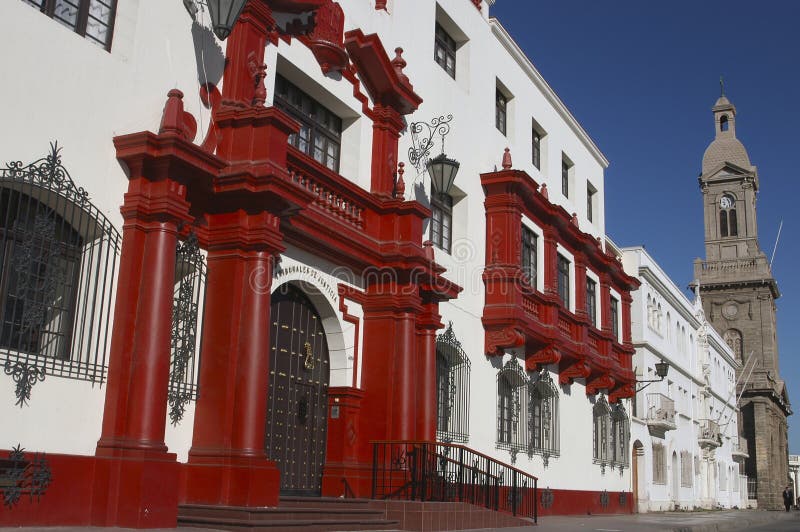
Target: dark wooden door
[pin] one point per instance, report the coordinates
(298, 392)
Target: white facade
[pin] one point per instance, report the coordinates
(65, 88)
(684, 432)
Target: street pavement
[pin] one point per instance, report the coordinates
(715, 521)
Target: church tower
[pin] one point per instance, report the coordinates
(738, 295)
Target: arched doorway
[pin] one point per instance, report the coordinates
(638, 477)
(298, 392)
(676, 482)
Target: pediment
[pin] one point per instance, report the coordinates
(728, 170)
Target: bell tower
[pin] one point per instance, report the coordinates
(738, 295)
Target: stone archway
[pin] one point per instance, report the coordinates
(638, 477)
(675, 482)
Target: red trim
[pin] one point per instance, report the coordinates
(581, 502)
(344, 290)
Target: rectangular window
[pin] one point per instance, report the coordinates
(590, 195)
(659, 464)
(565, 171)
(529, 264)
(441, 229)
(591, 301)
(92, 19)
(563, 280)
(536, 149)
(500, 105)
(615, 318)
(444, 51)
(320, 133)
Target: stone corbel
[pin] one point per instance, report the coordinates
(547, 355)
(577, 370)
(603, 382)
(499, 340)
(621, 392)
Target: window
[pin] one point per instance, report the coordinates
(512, 407)
(452, 388)
(686, 469)
(529, 263)
(615, 318)
(723, 123)
(566, 170)
(733, 338)
(57, 276)
(620, 434)
(441, 230)
(444, 51)
(543, 423)
(320, 130)
(536, 149)
(602, 421)
(563, 280)
(500, 106)
(659, 464)
(590, 198)
(591, 301)
(92, 19)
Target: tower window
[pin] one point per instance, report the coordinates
(723, 123)
(728, 225)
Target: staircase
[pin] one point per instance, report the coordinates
(308, 514)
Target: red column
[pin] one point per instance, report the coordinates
(427, 324)
(245, 46)
(580, 286)
(605, 302)
(386, 127)
(135, 477)
(550, 262)
(227, 462)
(626, 317)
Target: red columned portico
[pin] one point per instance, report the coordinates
(245, 204)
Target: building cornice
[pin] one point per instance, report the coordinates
(527, 66)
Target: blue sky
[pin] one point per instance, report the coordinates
(641, 78)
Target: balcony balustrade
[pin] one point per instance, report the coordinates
(708, 436)
(740, 450)
(660, 415)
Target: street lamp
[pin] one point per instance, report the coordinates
(224, 14)
(662, 368)
(443, 172)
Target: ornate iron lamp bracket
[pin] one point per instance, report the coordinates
(422, 135)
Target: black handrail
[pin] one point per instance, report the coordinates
(445, 472)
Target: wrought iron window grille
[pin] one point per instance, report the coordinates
(58, 259)
(22, 476)
(189, 295)
(512, 408)
(453, 388)
(601, 433)
(543, 423)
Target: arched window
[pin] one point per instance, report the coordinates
(543, 423)
(452, 388)
(723, 123)
(659, 317)
(734, 226)
(512, 407)
(602, 427)
(58, 256)
(723, 223)
(733, 338)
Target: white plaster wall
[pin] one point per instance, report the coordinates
(63, 88)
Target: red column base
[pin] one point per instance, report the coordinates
(135, 489)
(230, 481)
(350, 479)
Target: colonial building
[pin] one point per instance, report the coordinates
(687, 453)
(245, 272)
(739, 296)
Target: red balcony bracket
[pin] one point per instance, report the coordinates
(547, 355)
(326, 39)
(621, 392)
(603, 382)
(577, 370)
(499, 340)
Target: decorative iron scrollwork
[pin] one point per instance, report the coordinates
(604, 499)
(24, 376)
(19, 476)
(422, 134)
(623, 498)
(547, 498)
(190, 273)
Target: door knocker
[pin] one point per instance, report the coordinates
(308, 363)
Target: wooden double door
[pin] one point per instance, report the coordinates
(298, 392)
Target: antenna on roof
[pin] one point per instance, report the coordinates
(776, 244)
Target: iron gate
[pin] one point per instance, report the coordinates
(298, 392)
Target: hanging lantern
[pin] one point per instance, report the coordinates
(443, 172)
(662, 368)
(224, 14)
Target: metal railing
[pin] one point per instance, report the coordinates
(752, 488)
(709, 430)
(660, 408)
(445, 472)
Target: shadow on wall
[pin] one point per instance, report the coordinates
(208, 54)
